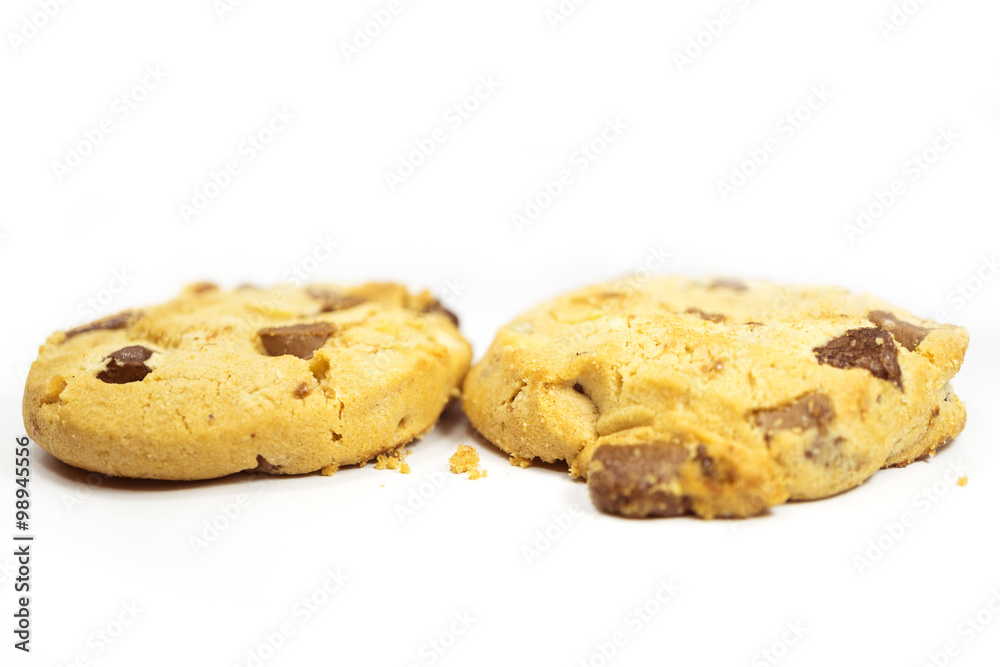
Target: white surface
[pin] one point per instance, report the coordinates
(449, 224)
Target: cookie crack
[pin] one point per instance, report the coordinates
(187, 427)
(510, 401)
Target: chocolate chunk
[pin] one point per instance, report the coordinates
(828, 452)
(728, 283)
(705, 462)
(711, 317)
(436, 307)
(265, 466)
(301, 391)
(712, 469)
(126, 365)
(299, 340)
(333, 300)
(202, 287)
(117, 321)
(906, 334)
(634, 480)
(870, 348)
(809, 411)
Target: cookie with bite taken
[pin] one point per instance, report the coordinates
(718, 398)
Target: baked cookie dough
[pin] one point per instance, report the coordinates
(285, 380)
(718, 398)
(466, 460)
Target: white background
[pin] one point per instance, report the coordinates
(110, 232)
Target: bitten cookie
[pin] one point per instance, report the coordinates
(285, 380)
(718, 398)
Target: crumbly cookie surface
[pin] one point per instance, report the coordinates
(284, 380)
(717, 398)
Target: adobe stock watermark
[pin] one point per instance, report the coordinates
(83, 491)
(544, 538)
(31, 25)
(322, 251)
(122, 106)
(786, 127)
(275, 299)
(633, 623)
(22, 372)
(8, 568)
(416, 498)
(923, 502)
(561, 12)
(227, 515)
(580, 160)
(911, 171)
(437, 646)
(302, 611)
(899, 15)
(970, 627)
(365, 34)
(656, 260)
(248, 150)
(101, 640)
(223, 8)
(965, 291)
(452, 289)
(779, 648)
(453, 118)
(711, 30)
(99, 304)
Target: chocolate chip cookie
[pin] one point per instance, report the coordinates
(719, 398)
(285, 380)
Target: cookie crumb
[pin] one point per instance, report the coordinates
(519, 462)
(962, 481)
(327, 471)
(392, 461)
(466, 460)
